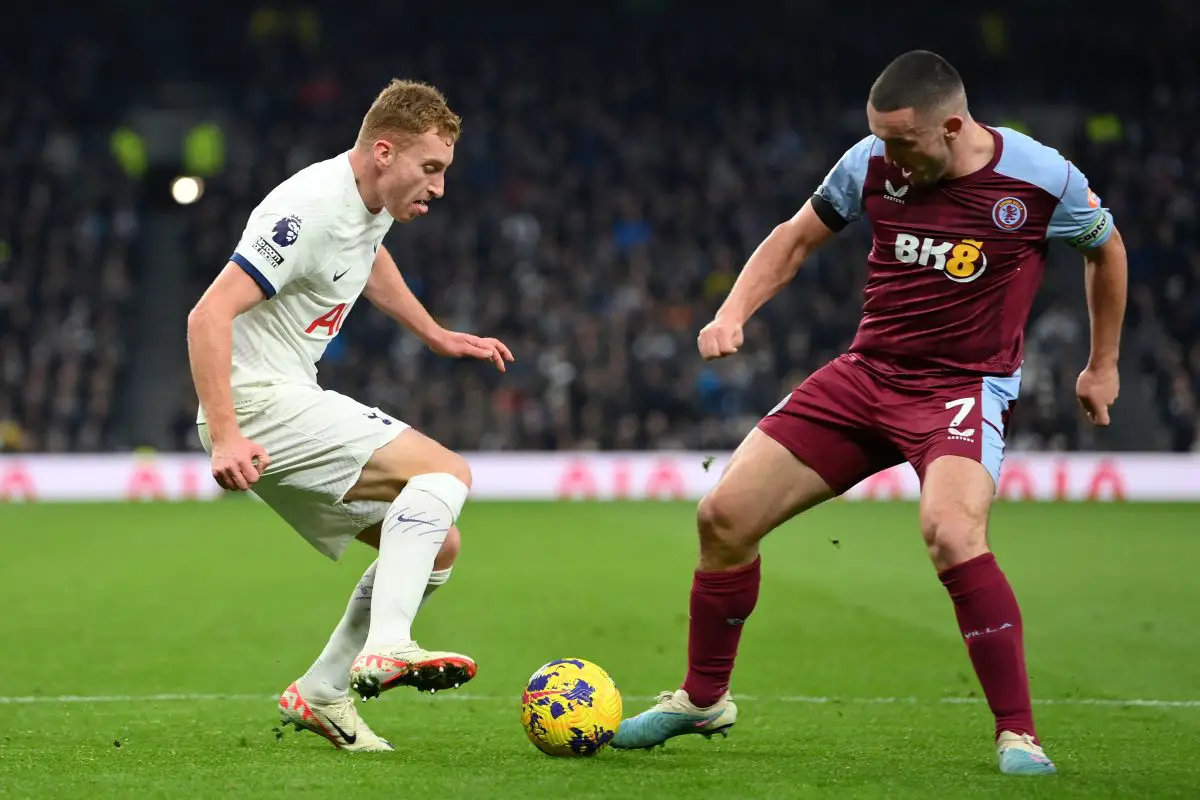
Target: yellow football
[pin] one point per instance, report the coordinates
(570, 707)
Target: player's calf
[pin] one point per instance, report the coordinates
(955, 499)
(449, 553)
(445, 558)
(432, 484)
(763, 485)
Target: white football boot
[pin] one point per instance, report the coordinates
(336, 720)
(380, 668)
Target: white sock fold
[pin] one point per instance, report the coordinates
(329, 676)
(436, 579)
(414, 529)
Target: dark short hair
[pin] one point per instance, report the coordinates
(919, 80)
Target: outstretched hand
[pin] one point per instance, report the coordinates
(466, 345)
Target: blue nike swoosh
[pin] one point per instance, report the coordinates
(410, 519)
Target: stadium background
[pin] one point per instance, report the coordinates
(619, 161)
(610, 182)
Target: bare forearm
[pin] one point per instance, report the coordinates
(402, 305)
(210, 351)
(1106, 281)
(387, 291)
(771, 267)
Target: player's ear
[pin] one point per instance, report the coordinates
(952, 127)
(384, 152)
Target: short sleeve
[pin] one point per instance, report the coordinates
(1080, 218)
(275, 249)
(838, 200)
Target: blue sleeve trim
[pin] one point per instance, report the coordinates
(253, 272)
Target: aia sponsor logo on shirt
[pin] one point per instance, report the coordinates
(962, 261)
(330, 322)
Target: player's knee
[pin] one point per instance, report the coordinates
(457, 466)
(447, 463)
(720, 535)
(953, 537)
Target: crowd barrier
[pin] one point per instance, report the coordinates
(609, 476)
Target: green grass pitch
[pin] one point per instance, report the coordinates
(852, 678)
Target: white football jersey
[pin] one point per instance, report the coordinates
(309, 245)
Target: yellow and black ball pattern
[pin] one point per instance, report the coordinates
(571, 707)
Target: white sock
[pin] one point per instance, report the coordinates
(329, 676)
(414, 529)
(436, 579)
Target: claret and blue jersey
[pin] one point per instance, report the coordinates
(954, 266)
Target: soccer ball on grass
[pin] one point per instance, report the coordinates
(570, 707)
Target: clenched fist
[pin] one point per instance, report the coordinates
(719, 338)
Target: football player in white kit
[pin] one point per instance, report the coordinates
(333, 468)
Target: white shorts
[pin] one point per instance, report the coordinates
(318, 442)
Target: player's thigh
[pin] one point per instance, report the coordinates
(393, 465)
(956, 499)
(958, 457)
(828, 424)
(763, 486)
(955, 416)
(319, 442)
(814, 445)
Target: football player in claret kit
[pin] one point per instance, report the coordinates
(961, 216)
(335, 469)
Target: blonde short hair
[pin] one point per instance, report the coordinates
(407, 109)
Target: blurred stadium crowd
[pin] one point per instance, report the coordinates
(614, 173)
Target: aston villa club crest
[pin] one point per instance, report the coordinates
(1009, 213)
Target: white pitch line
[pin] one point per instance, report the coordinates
(802, 699)
(89, 699)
